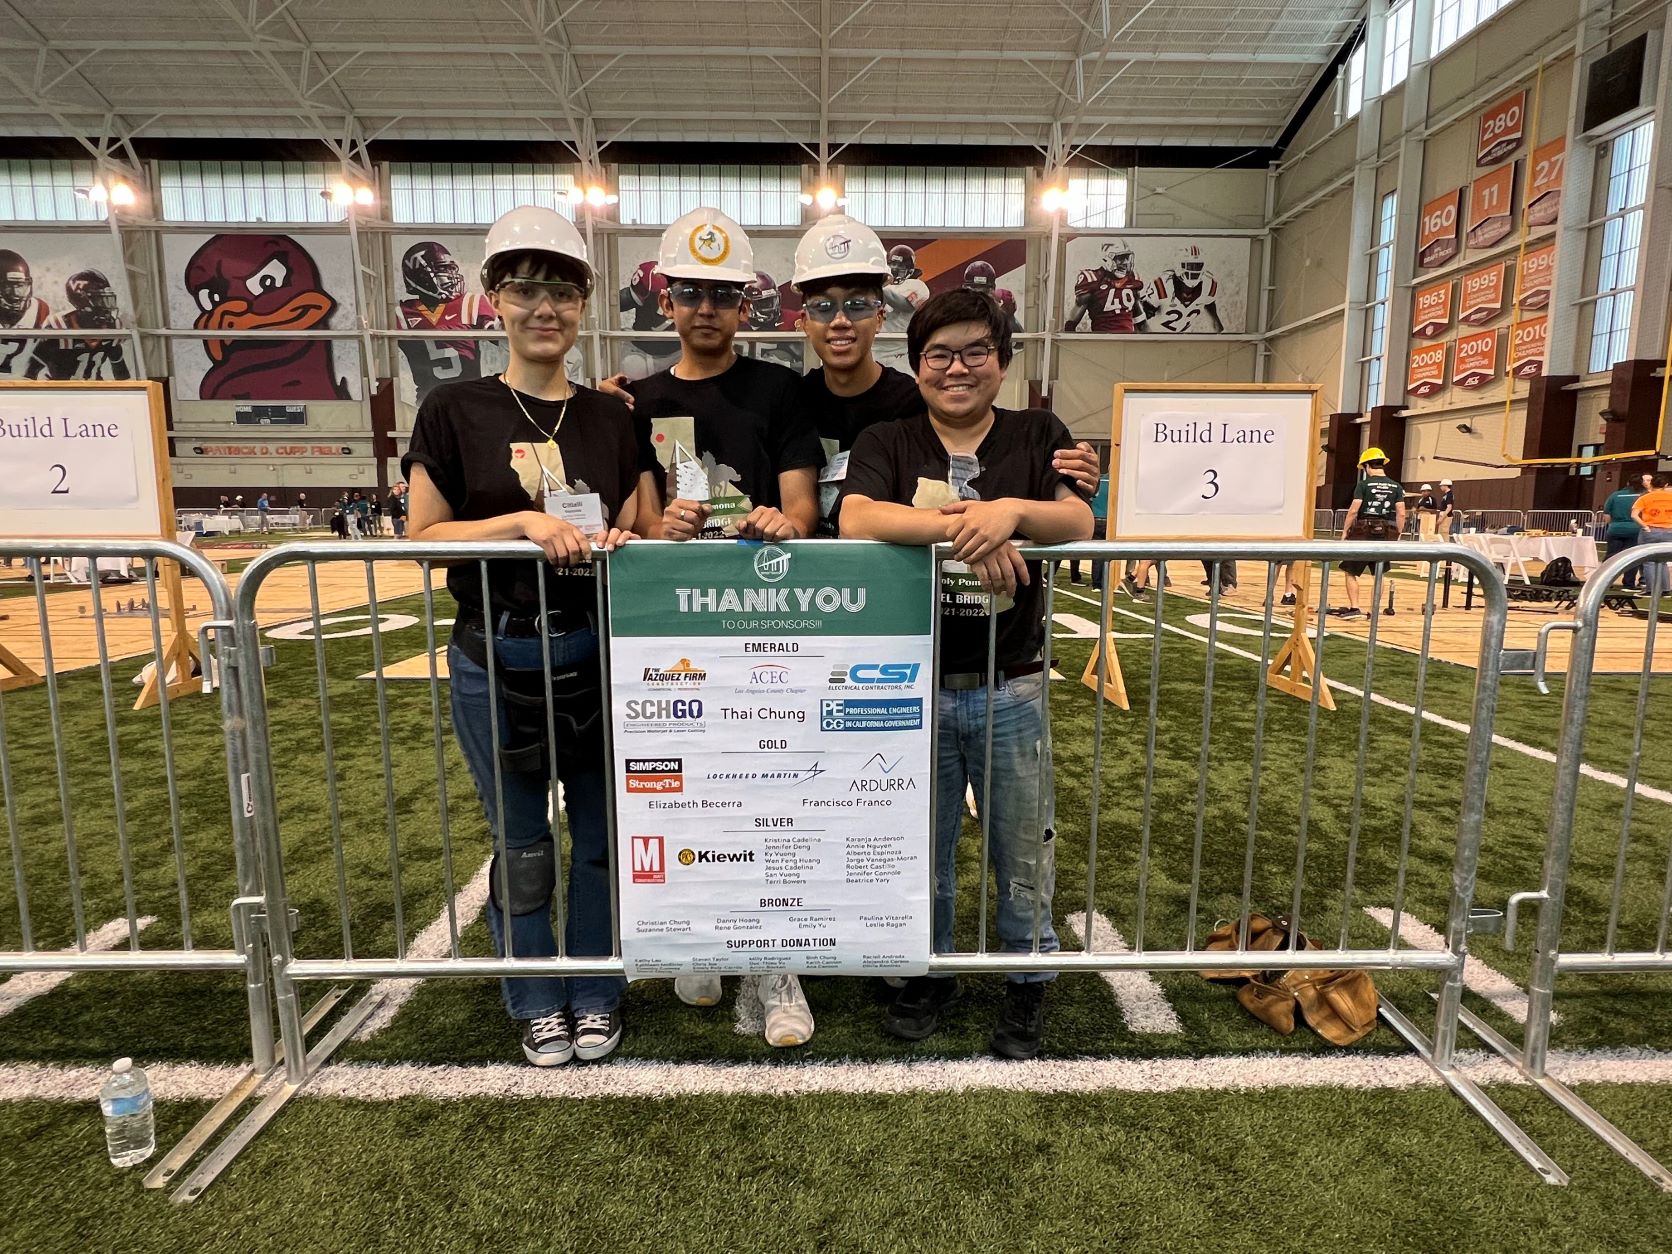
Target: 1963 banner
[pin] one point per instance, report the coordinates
(772, 709)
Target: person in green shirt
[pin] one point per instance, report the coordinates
(1623, 531)
(1377, 513)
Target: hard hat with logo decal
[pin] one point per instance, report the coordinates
(706, 244)
(534, 228)
(1372, 455)
(838, 246)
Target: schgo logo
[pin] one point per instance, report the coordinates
(647, 860)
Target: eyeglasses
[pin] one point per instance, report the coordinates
(692, 295)
(854, 308)
(528, 293)
(972, 355)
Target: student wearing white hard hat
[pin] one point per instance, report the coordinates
(746, 416)
(531, 455)
(1448, 508)
(1428, 513)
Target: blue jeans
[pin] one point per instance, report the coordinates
(587, 921)
(1655, 574)
(1633, 578)
(1022, 795)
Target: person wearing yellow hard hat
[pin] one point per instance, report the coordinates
(1377, 513)
(529, 454)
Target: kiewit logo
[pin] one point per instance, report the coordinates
(681, 674)
(647, 860)
(772, 563)
(874, 673)
(655, 775)
(688, 856)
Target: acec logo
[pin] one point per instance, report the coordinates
(772, 563)
(647, 860)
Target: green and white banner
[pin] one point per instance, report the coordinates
(772, 706)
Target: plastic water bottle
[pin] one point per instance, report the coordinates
(130, 1126)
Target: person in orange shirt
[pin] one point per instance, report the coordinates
(1653, 512)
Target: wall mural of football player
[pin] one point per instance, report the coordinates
(767, 313)
(1110, 293)
(641, 310)
(1184, 299)
(93, 306)
(924, 266)
(1156, 284)
(436, 300)
(263, 283)
(21, 308)
(979, 276)
(904, 291)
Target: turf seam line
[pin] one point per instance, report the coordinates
(1143, 1005)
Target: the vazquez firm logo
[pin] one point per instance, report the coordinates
(655, 775)
(648, 867)
(682, 674)
(772, 563)
(688, 857)
(874, 674)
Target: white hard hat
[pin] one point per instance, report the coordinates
(1445, 483)
(534, 228)
(1428, 487)
(839, 245)
(706, 244)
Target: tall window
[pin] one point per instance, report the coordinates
(1454, 19)
(756, 195)
(1396, 45)
(248, 191)
(1622, 234)
(927, 196)
(1376, 310)
(1353, 99)
(45, 191)
(1097, 199)
(473, 191)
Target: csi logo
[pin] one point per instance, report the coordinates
(769, 675)
(647, 860)
(877, 673)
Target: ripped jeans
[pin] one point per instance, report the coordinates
(1023, 794)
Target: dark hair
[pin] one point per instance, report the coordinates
(853, 282)
(535, 263)
(949, 309)
(1377, 463)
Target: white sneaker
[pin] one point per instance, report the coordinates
(698, 990)
(789, 1019)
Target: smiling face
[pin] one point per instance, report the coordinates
(959, 395)
(542, 332)
(842, 343)
(255, 283)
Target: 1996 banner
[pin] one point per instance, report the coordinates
(772, 709)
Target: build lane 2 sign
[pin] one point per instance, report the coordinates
(772, 708)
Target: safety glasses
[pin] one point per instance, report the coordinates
(528, 293)
(692, 295)
(853, 308)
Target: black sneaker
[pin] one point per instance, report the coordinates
(1129, 585)
(549, 1041)
(1288, 599)
(597, 1033)
(917, 1008)
(1021, 1025)
(1351, 613)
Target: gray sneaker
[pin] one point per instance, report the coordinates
(597, 1033)
(549, 1040)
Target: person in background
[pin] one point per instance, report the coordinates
(1377, 513)
(1653, 512)
(1428, 514)
(301, 509)
(1623, 529)
(261, 507)
(397, 510)
(374, 511)
(1450, 519)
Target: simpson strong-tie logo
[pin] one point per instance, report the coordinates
(655, 775)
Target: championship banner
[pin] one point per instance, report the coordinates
(1538, 272)
(771, 710)
(1427, 374)
(1475, 363)
(1437, 234)
(1483, 294)
(1526, 351)
(1544, 182)
(1431, 310)
(1501, 128)
(1492, 207)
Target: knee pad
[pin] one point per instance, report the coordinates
(530, 876)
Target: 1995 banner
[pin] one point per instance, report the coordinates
(772, 710)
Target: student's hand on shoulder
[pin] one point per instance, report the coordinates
(766, 523)
(612, 539)
(683, 520)
(1001, 571)
(980, 527)
(1079, 464)
(616, 386)
(565, 544)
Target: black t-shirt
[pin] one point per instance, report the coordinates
(840, 419)
(887, 463)
(748, 418)
(487, 459)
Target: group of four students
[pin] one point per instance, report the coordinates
(490, 458)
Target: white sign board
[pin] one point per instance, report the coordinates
(771, 710)
(1222, 462)
(82, 460)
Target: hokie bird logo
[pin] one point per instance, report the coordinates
(263, 283)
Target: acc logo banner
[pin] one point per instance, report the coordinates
(1427, 374)
(648, 867)
(1475, 362)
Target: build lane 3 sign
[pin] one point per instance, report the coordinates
(771, 713)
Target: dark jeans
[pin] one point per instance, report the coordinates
(1633, 579)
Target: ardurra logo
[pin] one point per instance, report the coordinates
(769, 600)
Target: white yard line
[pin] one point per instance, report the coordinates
(25, 986)
(1143, 1006)
(1516, 746)
(431, 943)
(1494, 985)
(626, 1078)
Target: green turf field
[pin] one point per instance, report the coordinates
(1290, 1168)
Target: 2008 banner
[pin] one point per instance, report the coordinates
(772, 710)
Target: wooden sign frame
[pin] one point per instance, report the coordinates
(1294, 670)
(180, 650)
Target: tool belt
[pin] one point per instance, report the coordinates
(1372, 529)
(968, 680)
(1339, 1006)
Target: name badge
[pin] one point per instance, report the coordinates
(836, 469)
(584, 510)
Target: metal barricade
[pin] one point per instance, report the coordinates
(1495, 519)
(1560, 520)
(95, 823)
(1323, 523)
(1616, 930)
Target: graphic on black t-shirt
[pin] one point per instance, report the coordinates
(1379, 498)
(840, 419)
